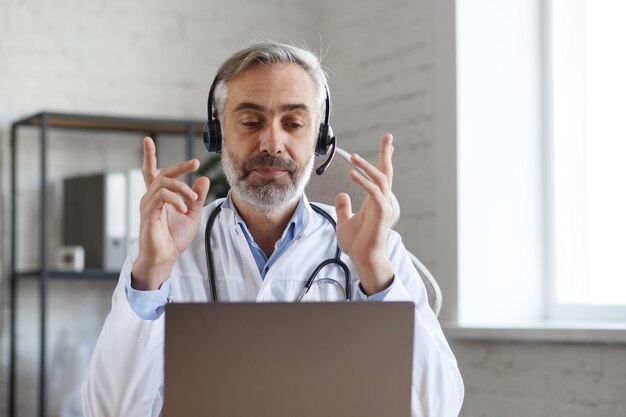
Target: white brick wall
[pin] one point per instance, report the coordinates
(504, 379)
(383, 81)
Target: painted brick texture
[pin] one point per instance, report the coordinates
(505, 379)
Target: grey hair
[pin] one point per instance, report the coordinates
(268, 53)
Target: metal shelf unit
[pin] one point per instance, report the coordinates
(45, 121)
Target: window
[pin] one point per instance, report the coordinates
(588, 158)
(499, 163)
(541, 160)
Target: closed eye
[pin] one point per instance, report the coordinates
(294, 125)
(251, 124)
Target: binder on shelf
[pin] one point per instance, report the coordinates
(95, 217)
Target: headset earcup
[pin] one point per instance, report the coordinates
(323, 139)
(212, 136)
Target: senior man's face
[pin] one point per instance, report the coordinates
(269, 134)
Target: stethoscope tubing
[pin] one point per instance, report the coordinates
(309, 282)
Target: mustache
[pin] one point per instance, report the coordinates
(268, 161)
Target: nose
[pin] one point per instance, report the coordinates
(272, 140)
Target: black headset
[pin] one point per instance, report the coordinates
(212, 132)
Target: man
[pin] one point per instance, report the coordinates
(269, 99)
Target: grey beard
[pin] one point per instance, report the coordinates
(270, 194)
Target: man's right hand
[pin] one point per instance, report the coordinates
(170, 216)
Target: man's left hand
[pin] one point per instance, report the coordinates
(363, 235)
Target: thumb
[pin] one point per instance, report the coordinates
(343, 206)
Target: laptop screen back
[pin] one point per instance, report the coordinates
(288, 359)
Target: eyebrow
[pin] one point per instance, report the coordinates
(285, 107)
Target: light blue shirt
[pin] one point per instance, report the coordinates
(292, 230)
(149, 305)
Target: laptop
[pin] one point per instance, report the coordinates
(288, 359)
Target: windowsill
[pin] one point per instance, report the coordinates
(564, 332)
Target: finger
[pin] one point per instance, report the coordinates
(176, 170)
(175, 186)
(385, 153)
(149, 166)
(370, 188)
(376, 176)
(343, 206)
(201, 188)
(155, 202)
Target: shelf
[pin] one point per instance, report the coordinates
(45, 122)
(88, 274)
(114, 123)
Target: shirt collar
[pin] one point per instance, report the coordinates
(294, 227)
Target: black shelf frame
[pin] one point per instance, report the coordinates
(85, 275)
(45, 121)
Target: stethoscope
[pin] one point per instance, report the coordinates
(309, 282)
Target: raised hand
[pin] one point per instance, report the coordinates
(362, 236)
(170, 216)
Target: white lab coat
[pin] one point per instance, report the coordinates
(125, 376)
